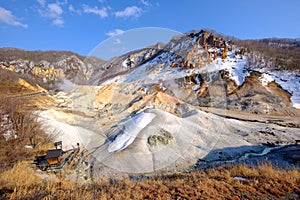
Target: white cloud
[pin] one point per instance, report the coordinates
(63, 2)
(58, 22)
(7, 17)
(42, 2)
(146, 3)
(132, 11)
(52, 11)
(95, 10)
(55, 9)
(73, 10)
(115, 32)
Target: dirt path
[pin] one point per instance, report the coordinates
(289, 117)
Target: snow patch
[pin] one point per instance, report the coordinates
(240, 178)
(124, 63)
(127, 62)
(266, 78)
(236, 67)
(131, 129)
(198, 80)
(291, 83)
(196, 87)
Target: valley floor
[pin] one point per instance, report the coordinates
(210, 141)
(289, 117)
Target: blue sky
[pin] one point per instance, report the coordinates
(80, 26)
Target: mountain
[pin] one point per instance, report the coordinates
(201, 99)
(48, 66)
(192, 66)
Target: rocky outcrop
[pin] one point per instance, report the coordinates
(123, 64)
(255, 97)
(48, 66)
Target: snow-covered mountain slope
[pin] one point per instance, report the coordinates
(122, 64)
(202, 59)
(289, 81)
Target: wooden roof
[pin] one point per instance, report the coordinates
(54, 153)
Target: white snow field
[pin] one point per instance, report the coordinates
(131, 130)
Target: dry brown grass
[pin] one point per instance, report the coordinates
(264, 182)
(28, 132)
(21, 120)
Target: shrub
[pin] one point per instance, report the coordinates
(164, 137)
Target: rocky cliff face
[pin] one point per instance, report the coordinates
(202, 69)
(123, 64)
(48, 66)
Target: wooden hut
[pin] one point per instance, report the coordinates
(53, 157)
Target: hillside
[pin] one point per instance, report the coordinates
(11, 54)
(48, 67)
(283, 54)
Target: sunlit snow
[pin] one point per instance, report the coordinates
(265, 79)
(235, 66)
(289, 81)
(131, 129)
